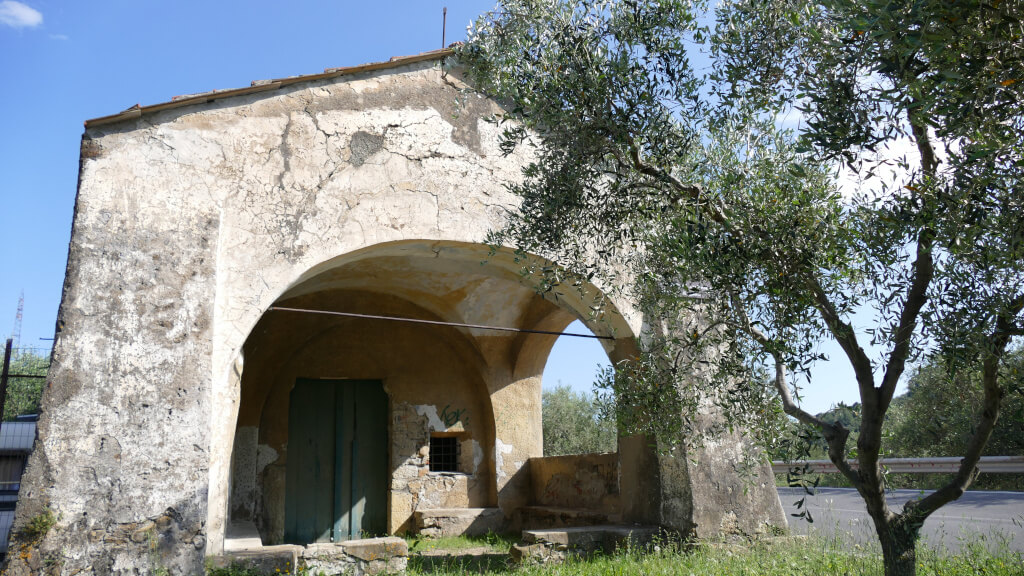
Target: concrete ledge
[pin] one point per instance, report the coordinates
(438, 522)
(370, 549)
(242, 535)
(263, 560)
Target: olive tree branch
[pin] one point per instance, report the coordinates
(693, 191)
(929, 162)
(844, 334)
(918, 511)
(875, 402)
(924, 271)
(835, 433)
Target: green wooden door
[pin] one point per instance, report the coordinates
(336, 478)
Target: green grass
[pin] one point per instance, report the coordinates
(39, 525)
(777, 557)
(781, 557)
(494, 543)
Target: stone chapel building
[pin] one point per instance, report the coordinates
(193, 393)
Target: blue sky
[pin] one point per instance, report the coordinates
(63, 62)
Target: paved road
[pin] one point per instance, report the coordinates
(990, 518)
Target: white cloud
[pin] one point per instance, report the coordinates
(59, 37)
(891, 168)
(18, 15)
(887, 169)
(791, 119)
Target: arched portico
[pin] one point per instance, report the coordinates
(480, 387)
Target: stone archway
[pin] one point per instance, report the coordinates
(477, 385)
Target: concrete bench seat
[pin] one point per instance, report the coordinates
(536, 517)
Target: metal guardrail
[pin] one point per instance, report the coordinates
(987, 464)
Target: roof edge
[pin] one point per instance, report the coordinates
(257, 86)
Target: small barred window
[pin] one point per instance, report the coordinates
(444, 454)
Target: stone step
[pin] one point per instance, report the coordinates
(537, 517)
(365, 557)
(242, 535)
(554, 545)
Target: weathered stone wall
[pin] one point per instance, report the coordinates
(123, 457)
(413, 485)
(711, 485)
(438, 522)
(385, 160)
(189, 223)
(589, 481)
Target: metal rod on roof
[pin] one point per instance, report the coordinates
(444, 24)
(439, 323)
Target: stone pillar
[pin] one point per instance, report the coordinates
(701, 491)
(706, 487)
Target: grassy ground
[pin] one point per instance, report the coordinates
(454, 545)
(785, 556)
(778, 557)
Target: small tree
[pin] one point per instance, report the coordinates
(574, 424)
(686, 179)
(25, 394)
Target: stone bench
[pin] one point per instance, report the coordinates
(555, 545)
(437, 522)
(535, 517)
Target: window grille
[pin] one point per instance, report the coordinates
(444, 454)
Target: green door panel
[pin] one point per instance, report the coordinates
(309, 477)
(370, 454)
(343, 464)
(337, 465)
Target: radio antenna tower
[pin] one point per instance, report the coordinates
(16, 334)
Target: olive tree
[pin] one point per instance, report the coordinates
(688, 177)
(574, 423)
